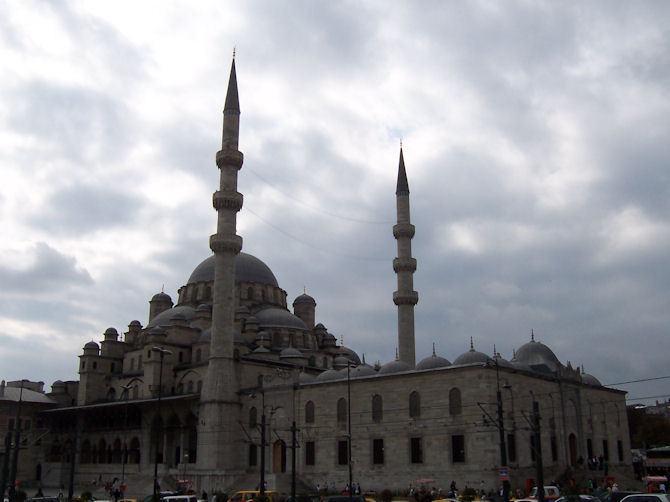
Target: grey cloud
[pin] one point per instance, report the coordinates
(51, 271)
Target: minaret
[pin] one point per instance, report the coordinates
(404, 265)
(219, 404)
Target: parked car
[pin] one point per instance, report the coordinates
(647, 497)
(245, 495)
(616, 496)
(343, 498)
(550, 492)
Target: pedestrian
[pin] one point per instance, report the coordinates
(204, 495)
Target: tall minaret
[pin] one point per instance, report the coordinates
(219, 406)
(404, 265)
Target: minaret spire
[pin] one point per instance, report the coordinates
(404, 266)
(218, 408)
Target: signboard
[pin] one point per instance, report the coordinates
(504, 474)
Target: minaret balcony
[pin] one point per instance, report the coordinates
(403, 230)
(227, 200)
(222, 243)
(405, 298)
(229, 158)
(404, 265)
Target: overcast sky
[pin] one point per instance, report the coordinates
(536, 137)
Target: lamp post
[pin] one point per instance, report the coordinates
(351, 488)
(124, 451)
(17, 442)
(501, 434)
(162, 353)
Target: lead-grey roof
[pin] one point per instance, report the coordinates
(163, 319)
(279, 318)
(538, 356)
(30, 396)
(396, 366)
(248, 268)
(432, 362)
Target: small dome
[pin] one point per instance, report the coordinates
(262, 336)
(432, 362)
(502, 362)
(248, 268)
(472, 356)
(319, 326)
(279, 318)
(260, 350)
(111, 332)
(361, 370)
(590, 380)
(164, 317)
(304, 298)
(206, 336)
(157, 331)
(396, 366)
(305, 378)
(251, 320)
(242, 310)
(340, 362)
(538, 356)
(330, 375)
(161, 297)
(92, 345)
(291, 353)
(135, 323)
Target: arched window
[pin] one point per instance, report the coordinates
(198, 355)
(377, 408)
(189, 386)
(415, 404)
(341, 411)
(455, 407)
(253, 416)
(250, 293)
(309, 412)
(199, 385)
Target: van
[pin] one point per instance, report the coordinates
(180, 498)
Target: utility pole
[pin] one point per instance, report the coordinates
(294, 445)
(5, 464)
(504, 474)
(17, 443)
(538, 451)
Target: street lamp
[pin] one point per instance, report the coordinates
(124, 452)
(17, 440)
(162, 353)
(351, 488)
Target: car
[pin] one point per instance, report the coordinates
(550, 493)
(42, 499)
(343, 498)
(578, 498)
(646, 497)
(245, 495)
(616, 496)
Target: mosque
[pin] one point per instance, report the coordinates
(229, 386)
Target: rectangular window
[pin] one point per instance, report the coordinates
(458, 448)
(416, 449)
(377, 451)
(310, 456)
(554, 448)
(342, 453)
(606, 450)
(511, 447)
(619, 450)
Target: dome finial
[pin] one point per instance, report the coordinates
(341, 340)
(304, 290)
(472, 345)
(434, 354)
(495, 353)
(363, 357)
(396, 353)
(532, 335)
(234, 51)
(163, 288)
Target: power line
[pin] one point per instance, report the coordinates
(637, 381)
(314, 208)
(323, 250)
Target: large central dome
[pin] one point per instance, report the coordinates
(248, 268)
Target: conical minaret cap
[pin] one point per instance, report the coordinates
(402, 187)
(232, 102)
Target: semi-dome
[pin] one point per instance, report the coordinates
(472, 356)
(432, 362)
(538, 356)
(163, 319)
(279, 318)
(350, 354)
(305, 378)
(291, 353)
(248, 268)
(396, 366)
